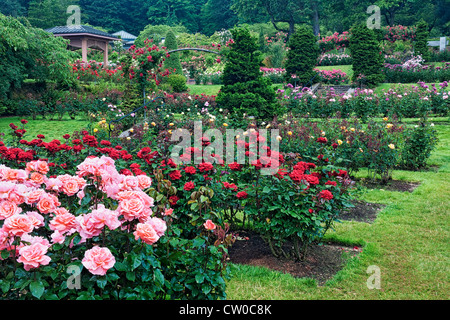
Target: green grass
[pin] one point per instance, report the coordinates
(409, 242)
(51, 129)
(211, 89)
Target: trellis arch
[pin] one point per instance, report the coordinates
(196, 49)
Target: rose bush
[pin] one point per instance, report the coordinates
(101, 224)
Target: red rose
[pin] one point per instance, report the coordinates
(331, 183)
(105, 143)
(175, 175)
(242, 195)
(66, 136)
(325, 194)
(188, 186)
(205, 166)
(90, 140)
(190, 170)
(235, 166)
(173, 200)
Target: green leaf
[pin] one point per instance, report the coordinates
(199, 277)
(159, 277)
(120, 266)
(131, 276)
(37, 288)
(101, 282)
(5, 254)
(198, 242)
(4, 285)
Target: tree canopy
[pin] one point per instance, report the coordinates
(209, 16)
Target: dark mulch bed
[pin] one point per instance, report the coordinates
(322, 262)
(391, 185)
(362, 212)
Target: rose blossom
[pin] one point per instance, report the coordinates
(325, 194)
(18, 224)
(98, 260)
(33, 256)
(62, 222)
(146, 233)
(158, 224)
(144, 181)
(209, 225)
(48, 203)
(8, 209)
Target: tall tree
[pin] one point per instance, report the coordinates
(290, 12)
(217, 15)
(173, 12)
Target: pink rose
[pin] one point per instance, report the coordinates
(168, 212)
(70, 186)
(33, 256)
(131, 208)
(63, 221)
(144, 181)
(18, 224)
(209, 225)
(158, 224)
(98, 260)
(146, 233)
(8, 209)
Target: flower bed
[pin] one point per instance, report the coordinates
(415, 101)
(134, 224)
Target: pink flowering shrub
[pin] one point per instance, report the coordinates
(100, 223)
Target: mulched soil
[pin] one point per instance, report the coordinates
(362, 212)
(323, 260)
(391, 185)
(321, 263)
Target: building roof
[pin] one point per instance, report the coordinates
(124, 35)
(80, 30)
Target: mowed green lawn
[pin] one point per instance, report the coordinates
(52, 129)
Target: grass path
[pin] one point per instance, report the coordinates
(409, 242)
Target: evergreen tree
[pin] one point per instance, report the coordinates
(244, 89)
(173, 61)
(366, 56)
(302, 57)
(421, 43)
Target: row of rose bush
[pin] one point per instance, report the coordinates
(403, 101)
(399, 73)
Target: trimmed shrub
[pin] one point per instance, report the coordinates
(173, 61)
(367, 58)
(421, 44)
(178, 82)
(302, 57)
(244, 89)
